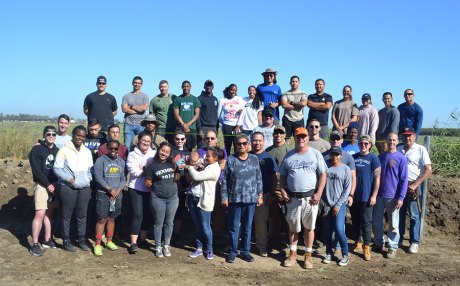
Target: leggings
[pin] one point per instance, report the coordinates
(142, 217)
(74, 199)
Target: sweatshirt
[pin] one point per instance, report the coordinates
(71, 163)
(135, 165)
(393, 176)
(109, 173)
(208, 179)
(41, 159)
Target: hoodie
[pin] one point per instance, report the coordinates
(135, 165)
(71, 163)
(109, 173)
(41, 159)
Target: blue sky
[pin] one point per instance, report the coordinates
(53, 51)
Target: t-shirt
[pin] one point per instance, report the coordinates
(343, 110)
(250, 118)
(93, 143)
(278, 152)
(270, 93)
(162, 176)
(101, 108)
(388, 122)
(227, 110)
(61, 140)
(321, 115)
(302, 170)
(417, 157)
(338, 186)
(268, 168)
(186, 106)
(347, 159)
(365, 167)
(135, 99)
(350, 148)
(162, 107)
(321, 145)
(368, 121)
(295, 114)
(268, 134)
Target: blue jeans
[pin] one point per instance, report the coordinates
(244, 214)
(129, 131)
(202, 224)
(336, 224)
(393, 223)
(163, 210)
(414, 231)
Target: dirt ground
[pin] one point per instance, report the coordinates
(437, 262)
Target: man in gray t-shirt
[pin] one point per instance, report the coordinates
(293, 102)
(134, 105)
(303, 171)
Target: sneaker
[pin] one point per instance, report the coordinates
(358, 247)
(247, 257)
(166, 251)
(391, 253)
(413, 248)
(308, 262)
(263, 253)
(344, 261)
(69, 246)
(209, 255)
(318, 244)
(35, 250)
(133, 248)
(196, 253)
(111, 246)
(327, 259)
(49, 244)
(367, 253)
(230, 258)
(158, 252)
(98, 250)
(291, 260)
(82, 244)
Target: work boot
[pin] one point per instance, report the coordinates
(308, 262)
(291, 260)
(367, 253)
(358, 246)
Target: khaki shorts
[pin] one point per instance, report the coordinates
(300, 212)
(41, 199)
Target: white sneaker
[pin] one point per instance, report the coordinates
(413, 248)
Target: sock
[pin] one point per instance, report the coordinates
(293, 247)
(98, 239)
(109, 236)
(308, 249)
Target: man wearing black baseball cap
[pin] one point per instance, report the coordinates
(267, 127)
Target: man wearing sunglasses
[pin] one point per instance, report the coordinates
(101, 104)
(316, 142)
(41, 159)
(411, 114)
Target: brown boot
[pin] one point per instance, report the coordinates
(367, 253)
(358, 246)
(308, 262)
(291, 260)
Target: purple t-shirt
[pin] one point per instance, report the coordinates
(393, 176)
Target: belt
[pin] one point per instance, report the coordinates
(301, 195)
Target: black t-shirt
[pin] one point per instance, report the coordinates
(162, 176)
(101, 108)
(321, 115)
(177, 155)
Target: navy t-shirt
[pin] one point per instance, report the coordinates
(101, 107)
(162, 176)
(365, 167)
(321, 115)
(268, 167)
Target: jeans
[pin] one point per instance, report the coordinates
(414, 213)
(129, 132)
(361, 217)
(202, 223)
(74, 199)
(163, 210)
(336, 224)
(244, 214)
(393, 224)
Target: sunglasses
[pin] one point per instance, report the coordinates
(50, 134)
(101, 83)
(364, 143)
(210, 138)
(409, 93)
(241, 143)
(180, 139)
(314, 126)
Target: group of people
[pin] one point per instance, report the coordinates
(173, 166)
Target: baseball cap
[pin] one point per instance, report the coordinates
(268, 112)
(365, 137)
(279, 128)
(407, 130)
(208, 83)
(336, 150)
(366, 96)
(336, 133)
(49, 128)
(301, 131)
(101, 79)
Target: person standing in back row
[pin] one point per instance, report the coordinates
(320, 103)
(411, 114)
(161, 107)
(101, 104)
(134, 105)
(271, 93)
(293, 102)
(208, 113)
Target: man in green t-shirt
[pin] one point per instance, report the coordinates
(187, 112)
(162, 107)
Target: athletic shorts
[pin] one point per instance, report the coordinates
(103, 205)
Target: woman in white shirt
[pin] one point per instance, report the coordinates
(252, 114)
